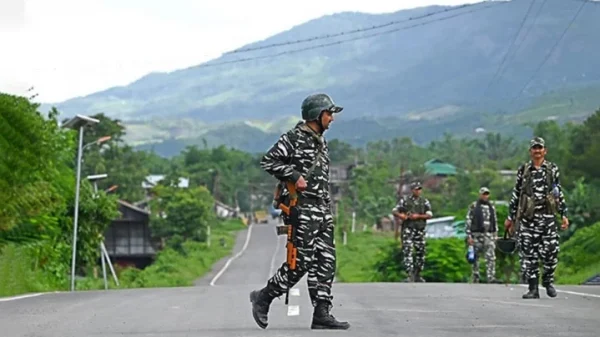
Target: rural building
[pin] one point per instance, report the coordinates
(128, 240)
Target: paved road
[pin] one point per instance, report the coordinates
(262, 252)
(382, 309)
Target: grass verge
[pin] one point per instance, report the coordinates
(176, 268)
(18, 274)
(171, 267)
(356, 260)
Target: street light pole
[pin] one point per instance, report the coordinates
(76, 216)
(79, 122)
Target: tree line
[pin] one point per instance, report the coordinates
(37, 180)
(39, 158)
(479, 161)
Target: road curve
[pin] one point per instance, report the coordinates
(373, 309)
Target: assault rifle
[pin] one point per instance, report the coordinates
(289, 228)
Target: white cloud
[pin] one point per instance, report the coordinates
(68, 48)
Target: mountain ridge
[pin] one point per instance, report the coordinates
(432, 74)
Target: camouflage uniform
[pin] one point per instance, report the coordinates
(413, 234)
(315, 234)
(537, 196)
(292, 156)
(481, 226)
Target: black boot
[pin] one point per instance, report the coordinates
(260, 306)
(418, 277)
(533, 290)
(322, 319)
(550, 291)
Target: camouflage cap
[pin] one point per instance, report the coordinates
(416, 185)
(537, 141)
(484, 190)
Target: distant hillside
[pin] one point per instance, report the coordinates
(434, 74)
(358, 131)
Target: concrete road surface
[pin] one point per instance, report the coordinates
(374, 309)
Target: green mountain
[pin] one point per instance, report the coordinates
(417, 77)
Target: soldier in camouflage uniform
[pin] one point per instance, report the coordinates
(536, 198)
(414, 212)
(291, 158)
(481, 228)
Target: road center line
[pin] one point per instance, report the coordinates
(248, 235)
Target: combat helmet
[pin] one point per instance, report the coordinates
(313, 105)
(507, 244)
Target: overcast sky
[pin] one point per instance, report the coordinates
(69, 48)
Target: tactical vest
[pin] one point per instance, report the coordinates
(415, 206)
(527, 199)
(477, 225)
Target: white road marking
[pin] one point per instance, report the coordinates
(294, 292)
(14, 298)
(293, 310)
(567, 292)
(212, 283)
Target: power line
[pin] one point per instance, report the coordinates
(514, 39)
(342, 41)
(359, 30)
(550, 53)
(527, 33)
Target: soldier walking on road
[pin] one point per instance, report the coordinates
(536, 198)
(414, 212)
(301, 156)
(481, 228)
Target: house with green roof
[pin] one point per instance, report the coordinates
(436, 167)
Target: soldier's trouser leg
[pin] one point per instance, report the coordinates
(419, 242)
(549, 250)
(530, 240)
(308, 228)
(407, 248)
(490, 256)
(322, 268)
(475, 268)
(478, 246)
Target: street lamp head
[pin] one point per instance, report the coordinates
(97, 177)
(79, 121)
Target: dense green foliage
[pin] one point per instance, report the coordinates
(38, 184)
(37, 178)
